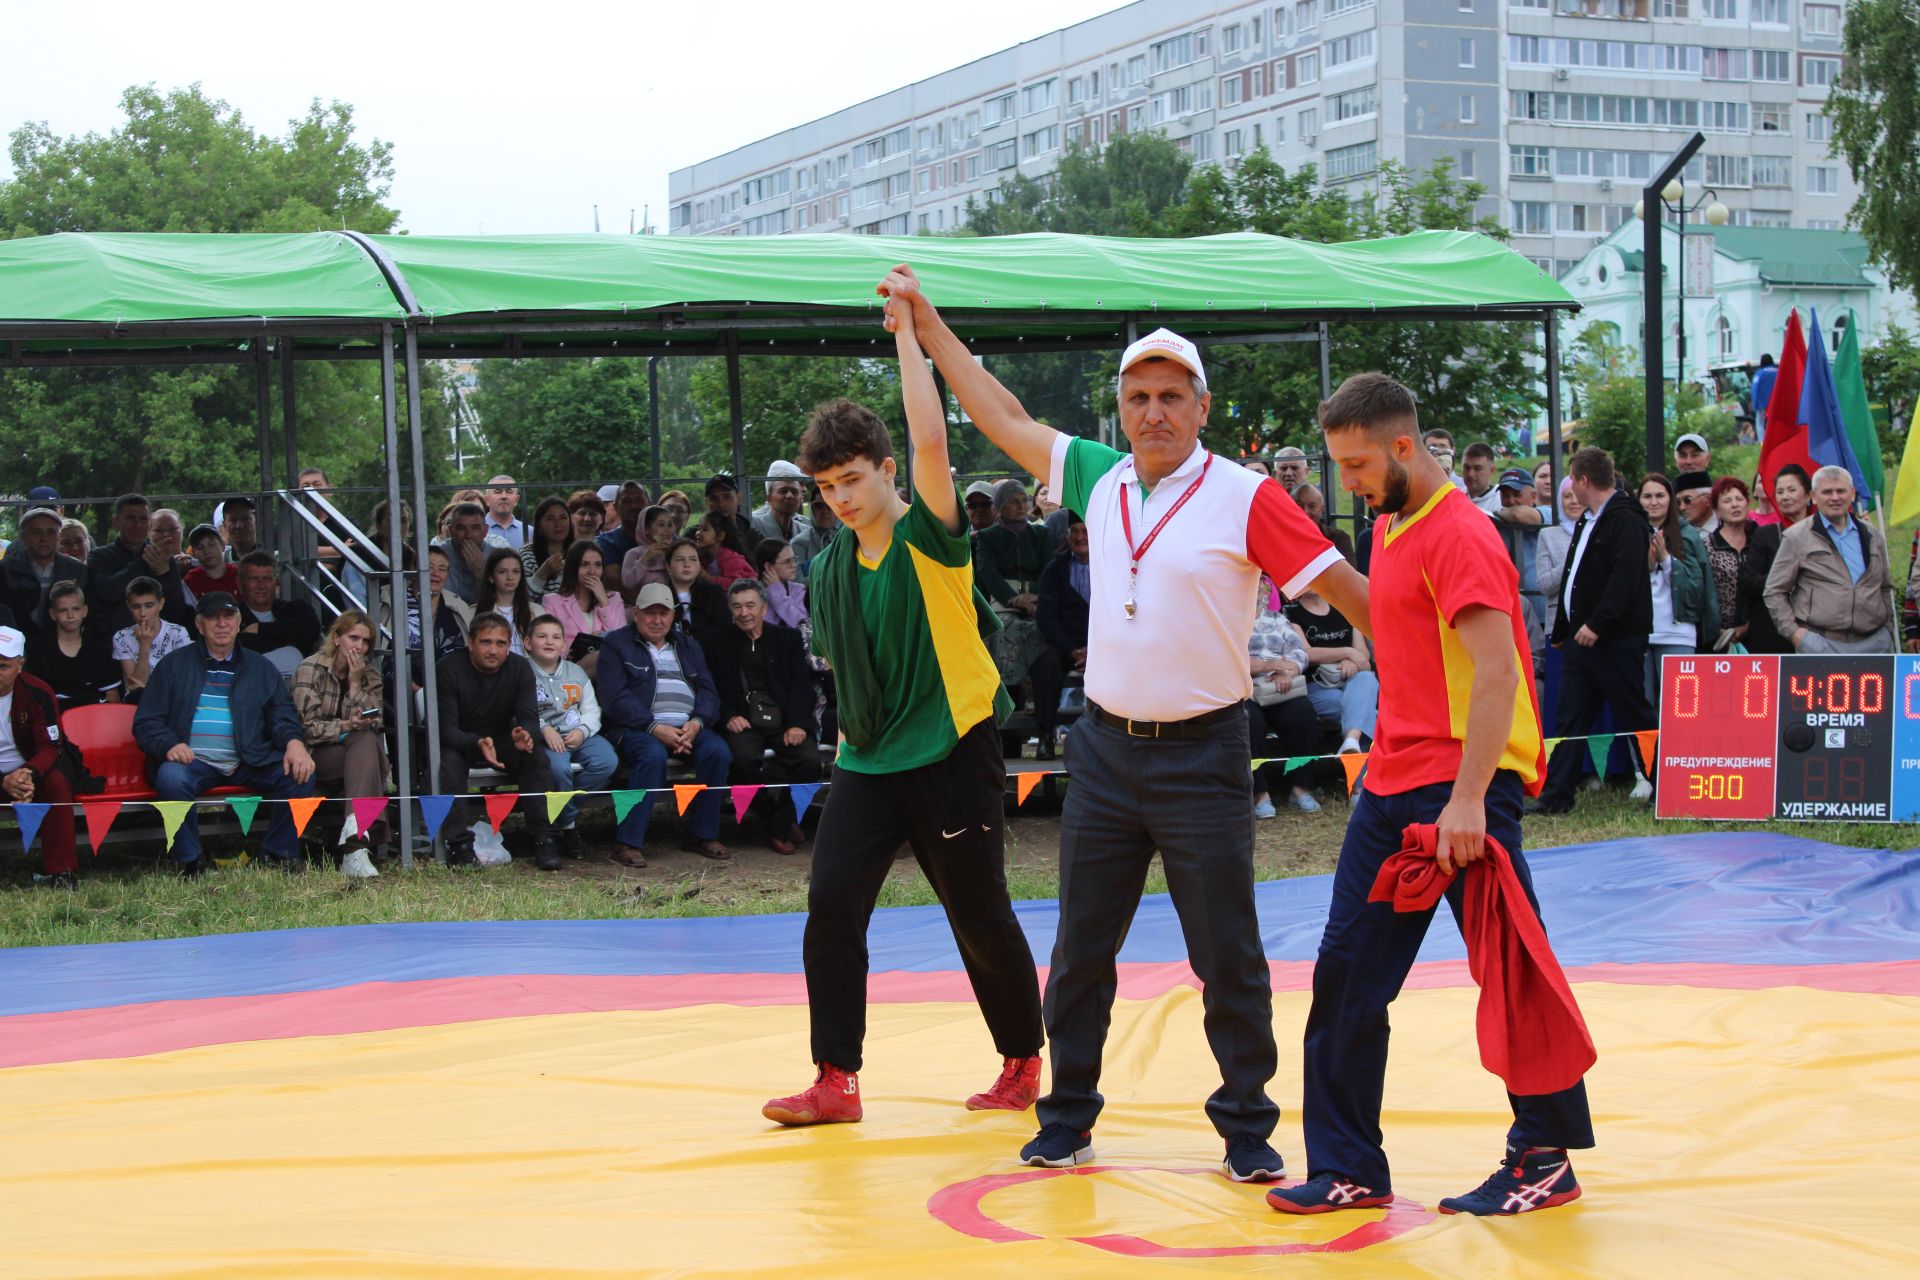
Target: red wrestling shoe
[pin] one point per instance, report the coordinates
(1015, 1090)
(833, 1099)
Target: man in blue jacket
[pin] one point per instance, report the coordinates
(657, 700)
(216, 715)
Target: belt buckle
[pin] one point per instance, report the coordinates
(1149, 723)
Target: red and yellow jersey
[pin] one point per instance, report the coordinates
(1427, 567)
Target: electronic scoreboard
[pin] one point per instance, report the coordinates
(1796, 736)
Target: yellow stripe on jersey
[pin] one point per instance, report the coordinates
(966, 668)
(1522, 750)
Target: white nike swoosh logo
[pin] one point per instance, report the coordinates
(950, 834)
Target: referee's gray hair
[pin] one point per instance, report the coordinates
(1831, 470)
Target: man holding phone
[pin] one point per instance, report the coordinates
(489, 715)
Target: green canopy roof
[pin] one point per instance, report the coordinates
(505, 294)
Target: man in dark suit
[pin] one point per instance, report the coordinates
(766, 702)
(1606, 615)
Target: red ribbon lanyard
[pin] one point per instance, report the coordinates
(1126, 519)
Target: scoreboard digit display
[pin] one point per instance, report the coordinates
(1811, 737)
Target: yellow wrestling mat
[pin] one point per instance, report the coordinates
(1758, 1133)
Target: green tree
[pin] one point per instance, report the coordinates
(1124, 190)
(1875, 109)
(184, 162)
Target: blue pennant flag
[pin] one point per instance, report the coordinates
(1827, 441)
(803, 793)
(29, 816)
(433, 809)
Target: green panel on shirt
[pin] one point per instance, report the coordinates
(1087, 461)
(936, 678)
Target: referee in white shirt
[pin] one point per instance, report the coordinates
(1178, 541)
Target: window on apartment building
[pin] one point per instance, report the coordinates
(1729, 171)
(1003, 155)
(1353, 48)
(1589, 219)
(1306, 69)
(1466, 51)
(1233, 38)
(1352, 162)
(1037, 97)
(1823, 224)
(1724, 64)
(1179, 50)
(1258, 140)
(924, 141)
(1773, 65)
(973, 167)
(1306, 15)
(1309, 124)
(1257, 82)
(1528, 4)
(1530, 162)
(998, 109)
(1351, 105)
(923, 224)
(973, 124)
(1136, 68)
(1342, 6)
(1093, 85)
(1819, 128)
(1770, 218)
(1076, 134)
(1770, 117)
(846, 206)
(1467, 108)
(1670, 9)
(1726, 117)
(1768, 13)
(1531, 217)
(1823, 180)
(1041, 141)
(1773, 171)
(1820, 19)
(1201, 144)
(1076, 91)
(1254, 28)
(1136, 119)
(926, 181)
(1230, 91)
(1468, 164)
(1231, 145)
(1819, 73)
(1720, 10)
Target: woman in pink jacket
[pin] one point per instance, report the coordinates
(586, 609)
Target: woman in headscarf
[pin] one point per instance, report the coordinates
(1550, 553)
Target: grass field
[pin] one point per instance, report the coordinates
(129, 896)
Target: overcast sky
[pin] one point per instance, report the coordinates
(508, 118)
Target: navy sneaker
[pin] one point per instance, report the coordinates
(1526, 1180)
(1252, 1159)
(1058, 1146)
(1324, 1194)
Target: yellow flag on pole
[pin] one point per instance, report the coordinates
(1906, 490)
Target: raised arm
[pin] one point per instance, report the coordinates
(926, 421)
(992, 407)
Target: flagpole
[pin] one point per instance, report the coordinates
(1893, 596)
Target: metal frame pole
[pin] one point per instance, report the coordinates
(423, 588)
(653, 415)
(737, 416)
(1555, 464)
(288, 419)
(1653, 353)
(397, 585)
(263, 408)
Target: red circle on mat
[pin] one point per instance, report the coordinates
(959, 1207)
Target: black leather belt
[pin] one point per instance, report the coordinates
(1200, 726)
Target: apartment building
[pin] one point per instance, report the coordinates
(1561, 108)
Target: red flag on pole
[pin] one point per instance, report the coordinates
(1786, 439)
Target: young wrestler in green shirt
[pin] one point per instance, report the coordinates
(920, 704)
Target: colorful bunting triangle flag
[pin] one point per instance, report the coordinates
(1263, 761)
(623, 802)
(803, 794)
(1551, 743)
(1297, 762)
(1023, 785)
(1648, 740)
(556, 801)
(1353, 762)
(302, 809)
(742, 801)
(172, 814)
(499, 805)
(684, 792)
(1598, 746)
(100, 816)
(433, 812)
(243, 807)
(29, 816)
(367, 811)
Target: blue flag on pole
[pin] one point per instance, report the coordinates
(1820, 412)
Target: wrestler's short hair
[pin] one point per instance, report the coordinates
(1374, 403)
(839, 432)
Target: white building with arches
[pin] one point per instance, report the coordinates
(1759, 275)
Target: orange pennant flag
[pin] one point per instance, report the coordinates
(684, 792)
(1649, 748)
(1353, 762)
(302, 808)
(499, 805)
(1024, 783)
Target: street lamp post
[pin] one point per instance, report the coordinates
(1673, 197)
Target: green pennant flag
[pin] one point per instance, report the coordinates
(172, 814)
(1598, 746)
(556, 801)
(1850, 388)
(623, 802)
(1299, 762)
(243, 808)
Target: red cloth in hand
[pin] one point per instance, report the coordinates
(1531, 1033)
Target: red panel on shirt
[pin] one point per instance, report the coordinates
(1280, 538)
(1427, 569)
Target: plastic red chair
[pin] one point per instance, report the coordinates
(104, 735)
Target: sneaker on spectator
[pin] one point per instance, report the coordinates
(1015, 1090)
(358, 865)
(1304, 802)
(834, 1098)
(1326, 1193)
(1349, 746)
(1263, 808)
(1527, 1179)
(1251, 1158)
(1058, 1146)
(1642, 790)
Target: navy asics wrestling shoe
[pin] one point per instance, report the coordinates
(1251, 1159)
(1058, 1146)
(1326, 1193)
(1528, 1179)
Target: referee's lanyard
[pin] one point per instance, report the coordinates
(1139, 553)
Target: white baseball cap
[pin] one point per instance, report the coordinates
(1165, 344)
(12, 643)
